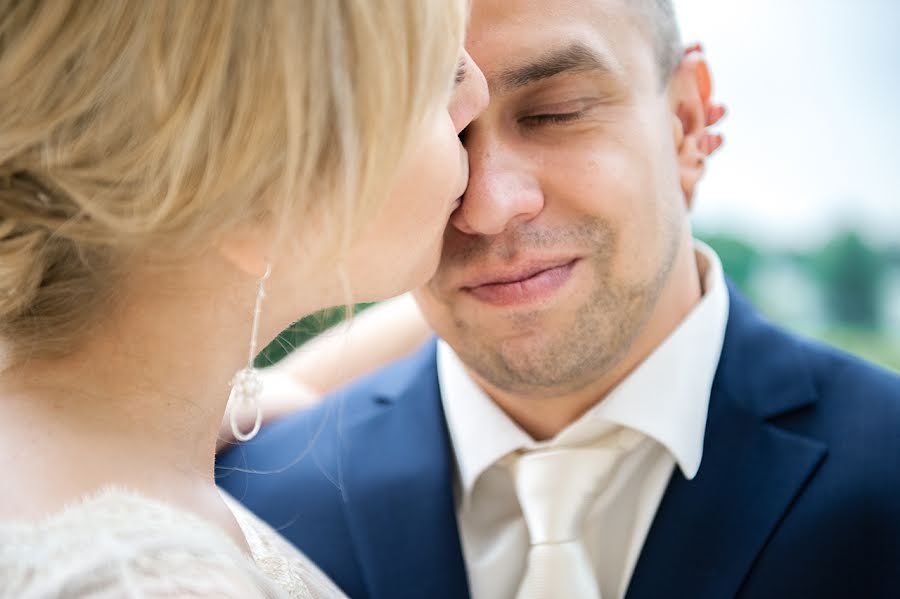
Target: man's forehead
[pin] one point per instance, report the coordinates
(504, 34)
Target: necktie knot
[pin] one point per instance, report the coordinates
(556, 489)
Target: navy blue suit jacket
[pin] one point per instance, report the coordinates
(798, 493)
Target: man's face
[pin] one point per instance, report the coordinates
(574, 213)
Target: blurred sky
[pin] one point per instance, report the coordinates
(813, 131)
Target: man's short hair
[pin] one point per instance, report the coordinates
(657, 17)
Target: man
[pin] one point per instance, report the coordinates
(604, 416)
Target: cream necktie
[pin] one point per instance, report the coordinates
(555, 489)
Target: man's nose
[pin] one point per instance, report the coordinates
(502, 190)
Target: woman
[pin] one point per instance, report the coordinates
(180, 180)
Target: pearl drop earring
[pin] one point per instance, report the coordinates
(247, 385)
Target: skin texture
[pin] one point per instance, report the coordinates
(591, 165)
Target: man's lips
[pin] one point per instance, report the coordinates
(521, 284)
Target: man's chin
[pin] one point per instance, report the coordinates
(525, 350)
(529, 366)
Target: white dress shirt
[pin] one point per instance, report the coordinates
(665, 399)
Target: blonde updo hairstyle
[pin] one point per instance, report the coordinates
(134, 124)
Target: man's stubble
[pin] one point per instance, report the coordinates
(542, 363)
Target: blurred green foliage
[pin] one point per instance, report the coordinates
(302, 331)
(853, 286)
(872, 346)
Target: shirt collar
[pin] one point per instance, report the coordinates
(480, 431)
(673, 413)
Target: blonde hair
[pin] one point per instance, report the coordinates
(129, 124)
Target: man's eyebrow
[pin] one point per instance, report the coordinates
(574, 58)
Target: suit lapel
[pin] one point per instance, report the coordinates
(708, 531)
(397, 481)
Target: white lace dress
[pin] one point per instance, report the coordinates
(119, 544)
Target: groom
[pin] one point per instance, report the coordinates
(604, 415)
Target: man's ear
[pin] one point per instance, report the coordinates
(690, 90)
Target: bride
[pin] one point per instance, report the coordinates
(179, 181)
